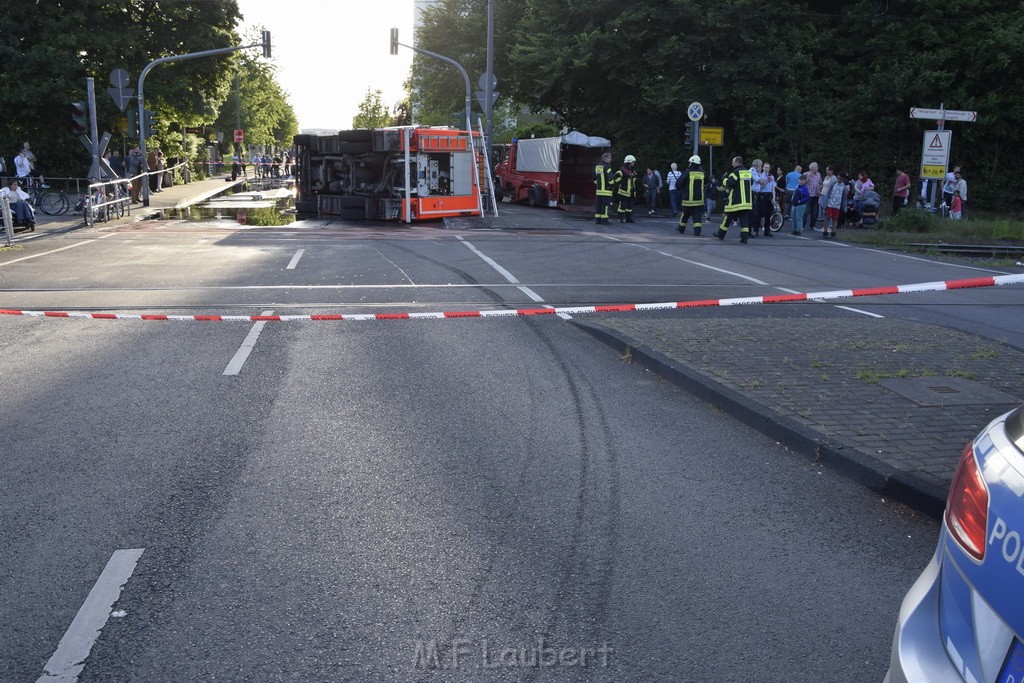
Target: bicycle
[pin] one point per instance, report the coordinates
(777, 218)
(52, 203)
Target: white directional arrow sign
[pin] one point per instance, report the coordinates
(943, 114)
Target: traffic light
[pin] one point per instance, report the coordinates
(266, 44)
(688, 136)
(149, 122)
(133, 123)
(79, 117)
(394, 41)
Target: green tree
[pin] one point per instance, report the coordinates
(373, 113)
(259, 103)
(809, 80)
(51, 46)
(457, 29)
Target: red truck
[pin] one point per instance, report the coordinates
(557, 172)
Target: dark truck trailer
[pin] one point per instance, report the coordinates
(556, 172)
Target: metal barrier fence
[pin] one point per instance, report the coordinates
(113, 198)
(108, 199)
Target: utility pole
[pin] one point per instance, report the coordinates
(465, 77)
(489, 85)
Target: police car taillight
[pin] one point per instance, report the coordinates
(967, 505)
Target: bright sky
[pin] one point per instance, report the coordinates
(328, 52)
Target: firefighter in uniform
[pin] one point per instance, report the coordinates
(625, 185)
(604, 179)
(738, 200)
(691, 193)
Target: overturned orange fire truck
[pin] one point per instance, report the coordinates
(405, 173)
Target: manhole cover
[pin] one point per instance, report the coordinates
(946, 391)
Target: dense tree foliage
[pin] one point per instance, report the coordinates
(458, 29)
(50, 47)
(794, 82)
(258, 103)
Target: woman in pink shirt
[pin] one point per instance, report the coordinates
(900, 191)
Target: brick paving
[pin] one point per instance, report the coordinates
(827, 375)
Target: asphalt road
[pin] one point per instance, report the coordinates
(422, 500)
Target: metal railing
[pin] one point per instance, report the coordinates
(108, 199)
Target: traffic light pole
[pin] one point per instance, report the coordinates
(163, 60)
(465, 77)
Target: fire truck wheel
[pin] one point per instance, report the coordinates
(535, 196)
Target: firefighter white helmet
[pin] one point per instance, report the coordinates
(630, 159)
(695, 159)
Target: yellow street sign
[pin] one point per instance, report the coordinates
(930, 171)
(711, 136)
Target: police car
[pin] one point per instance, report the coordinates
(963, 619)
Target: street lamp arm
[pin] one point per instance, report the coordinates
(465, 76)
(142, 98)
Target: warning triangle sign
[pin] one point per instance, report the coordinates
(936, 142)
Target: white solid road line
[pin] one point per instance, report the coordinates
(52, 251)
(295, 259)
(68, 660)
(235, 366)
(507, 275)
(857, 310)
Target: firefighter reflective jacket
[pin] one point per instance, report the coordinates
(691, 186)
(737, 190)
(604, 178)
(625, 179)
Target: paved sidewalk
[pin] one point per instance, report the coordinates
(837, 390)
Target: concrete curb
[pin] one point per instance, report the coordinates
(848, 461)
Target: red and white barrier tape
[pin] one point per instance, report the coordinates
(992, 281)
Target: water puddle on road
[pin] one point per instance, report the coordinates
(251, 209)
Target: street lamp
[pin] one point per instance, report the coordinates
(394, 50)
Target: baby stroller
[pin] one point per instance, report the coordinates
(869, 208)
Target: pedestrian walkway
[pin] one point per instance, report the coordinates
(171, 197)
(889, 402)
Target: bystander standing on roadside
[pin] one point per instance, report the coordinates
(956, 207)
(961, 187)
(652, 185)
(673, 188)
(767, 196)
(157, 164)
(134, 169)
(780, 192)
(834, 197)
(756, 210)
(948, 185)
(814, 188)
(117, 164)
(24, 170)
(799, 199)
(792, 180)
(900, 191)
